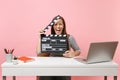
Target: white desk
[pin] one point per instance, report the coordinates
(59, 66)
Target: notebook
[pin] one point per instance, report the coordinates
(100, 52)
(26, 59)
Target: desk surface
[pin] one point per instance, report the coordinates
(59, 66)
(59, 62)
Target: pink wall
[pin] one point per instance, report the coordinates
(87, 20)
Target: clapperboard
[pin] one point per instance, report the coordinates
(54, 43)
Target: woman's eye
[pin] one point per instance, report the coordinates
(55, 24)
(60, 24)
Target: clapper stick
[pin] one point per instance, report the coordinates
(52, 23)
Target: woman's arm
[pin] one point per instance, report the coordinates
(38, 50)
(74, 46)
(76, 53)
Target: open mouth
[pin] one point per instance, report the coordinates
(58, 31)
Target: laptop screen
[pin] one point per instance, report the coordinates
(101, 51)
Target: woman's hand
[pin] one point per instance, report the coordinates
(69, 54)
(41, 32)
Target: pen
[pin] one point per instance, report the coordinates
(6, 51)
(11, 51)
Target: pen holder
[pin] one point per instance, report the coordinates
(9, 57)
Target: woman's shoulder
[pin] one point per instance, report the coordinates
(70, 36)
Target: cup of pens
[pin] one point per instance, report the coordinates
(9, 54)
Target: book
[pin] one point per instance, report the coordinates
(26, 59)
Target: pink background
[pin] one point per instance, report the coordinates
(87, 20)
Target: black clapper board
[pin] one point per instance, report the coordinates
(54, 43)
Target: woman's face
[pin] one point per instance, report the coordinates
(58, 27)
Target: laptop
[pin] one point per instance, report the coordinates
(100, 52)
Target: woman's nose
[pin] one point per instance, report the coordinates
(58, 26)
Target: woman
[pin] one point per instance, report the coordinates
(59, 27)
